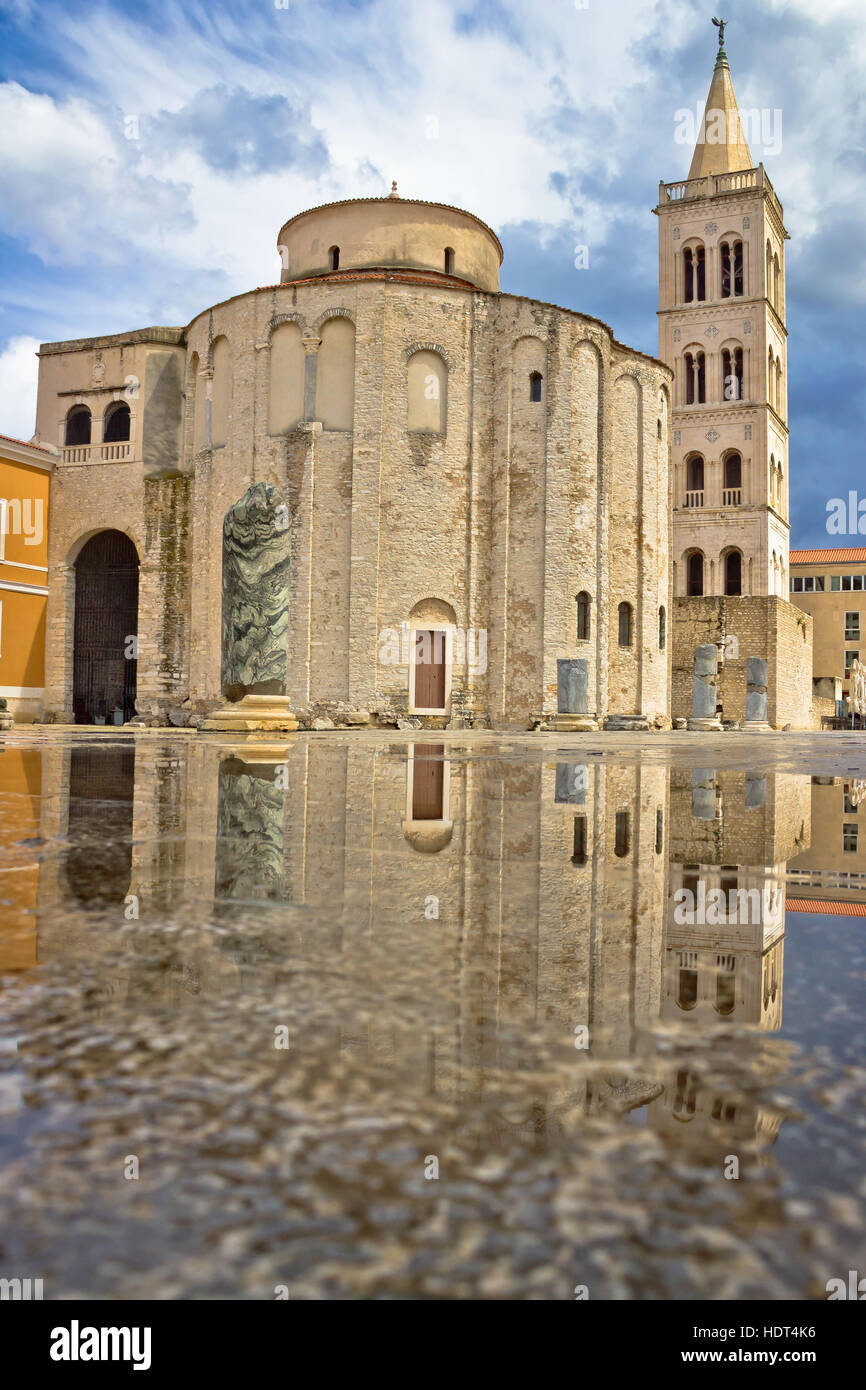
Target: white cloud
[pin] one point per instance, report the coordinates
(18, 374)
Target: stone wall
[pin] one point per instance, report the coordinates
(766, 627)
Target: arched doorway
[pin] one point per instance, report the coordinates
(106, 618)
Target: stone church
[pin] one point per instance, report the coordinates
(382, 491)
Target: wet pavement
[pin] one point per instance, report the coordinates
(345, 1016)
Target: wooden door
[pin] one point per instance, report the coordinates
(430, 669)
(428, 781)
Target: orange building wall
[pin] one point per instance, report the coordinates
(20, 788)
(25, 560)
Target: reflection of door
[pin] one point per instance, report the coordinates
(430, 669)
(106, 616)
(428, 781)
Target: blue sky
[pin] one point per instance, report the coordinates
(150, 153)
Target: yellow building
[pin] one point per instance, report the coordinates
(25, 477)
(830, 585)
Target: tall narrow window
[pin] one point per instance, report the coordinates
(689, 383)
(701, 379)
(449, 260)
(695, 581)
(583, 616)
(738, 268)
(334, 258)
(688, 276)
(725, 251)
(535, 381)
(733, 574)
(663, 623)
(738, 374)
(695, 482)
(578, 852)
(700, 274)
(660, 829)
(733, 471)
(622, 834)
(625, 625)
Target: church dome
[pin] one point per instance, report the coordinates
(392, 234)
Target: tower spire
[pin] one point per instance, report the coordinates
(721, 147)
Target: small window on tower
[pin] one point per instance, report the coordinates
(449, 260)
(535, 380)
(334, 257)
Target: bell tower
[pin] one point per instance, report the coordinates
(722, 330)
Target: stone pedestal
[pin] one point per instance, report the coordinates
(252, 714)
(705, 690)
(572, 697)
(756, 696)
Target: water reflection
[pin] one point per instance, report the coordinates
(526, 965)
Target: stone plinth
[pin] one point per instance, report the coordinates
(253, 713)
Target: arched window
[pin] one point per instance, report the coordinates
(688, 275)
(583, 616)
(626, 624)
(78, 425)
(779, 401)
(115, 427)
(725, 991)
(769, 273)
(733, 483)
(335, 375)
(689, 378)
(449, 260)
(286, 371)
(732, 374)
(695, 481)
(777, 285)
(687, 992)
(334, 258)
(622, 834)
(733, 574)
(700, 274)
(663, 624)
(738, 268)
(695, 575)
(694, 365)
(535, 383)
(221, 387)
(771, 378)
(427, 393)
(725, 257)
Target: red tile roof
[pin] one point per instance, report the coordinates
(822, 905)
(25, 443)
(841, 555)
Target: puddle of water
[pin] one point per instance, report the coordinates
(468, 1019)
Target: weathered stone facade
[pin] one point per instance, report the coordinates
(534, 468)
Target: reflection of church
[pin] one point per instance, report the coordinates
(541, 893)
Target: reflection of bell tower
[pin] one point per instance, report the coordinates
(722, 330)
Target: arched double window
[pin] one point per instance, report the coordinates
(732, 268)
(78, 424)
(733, 385)
(695, 378)
(694, 274)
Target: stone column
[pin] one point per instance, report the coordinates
(756, 695)
(572, 696)
(704, 793)
(311, 363)
(706, 690)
